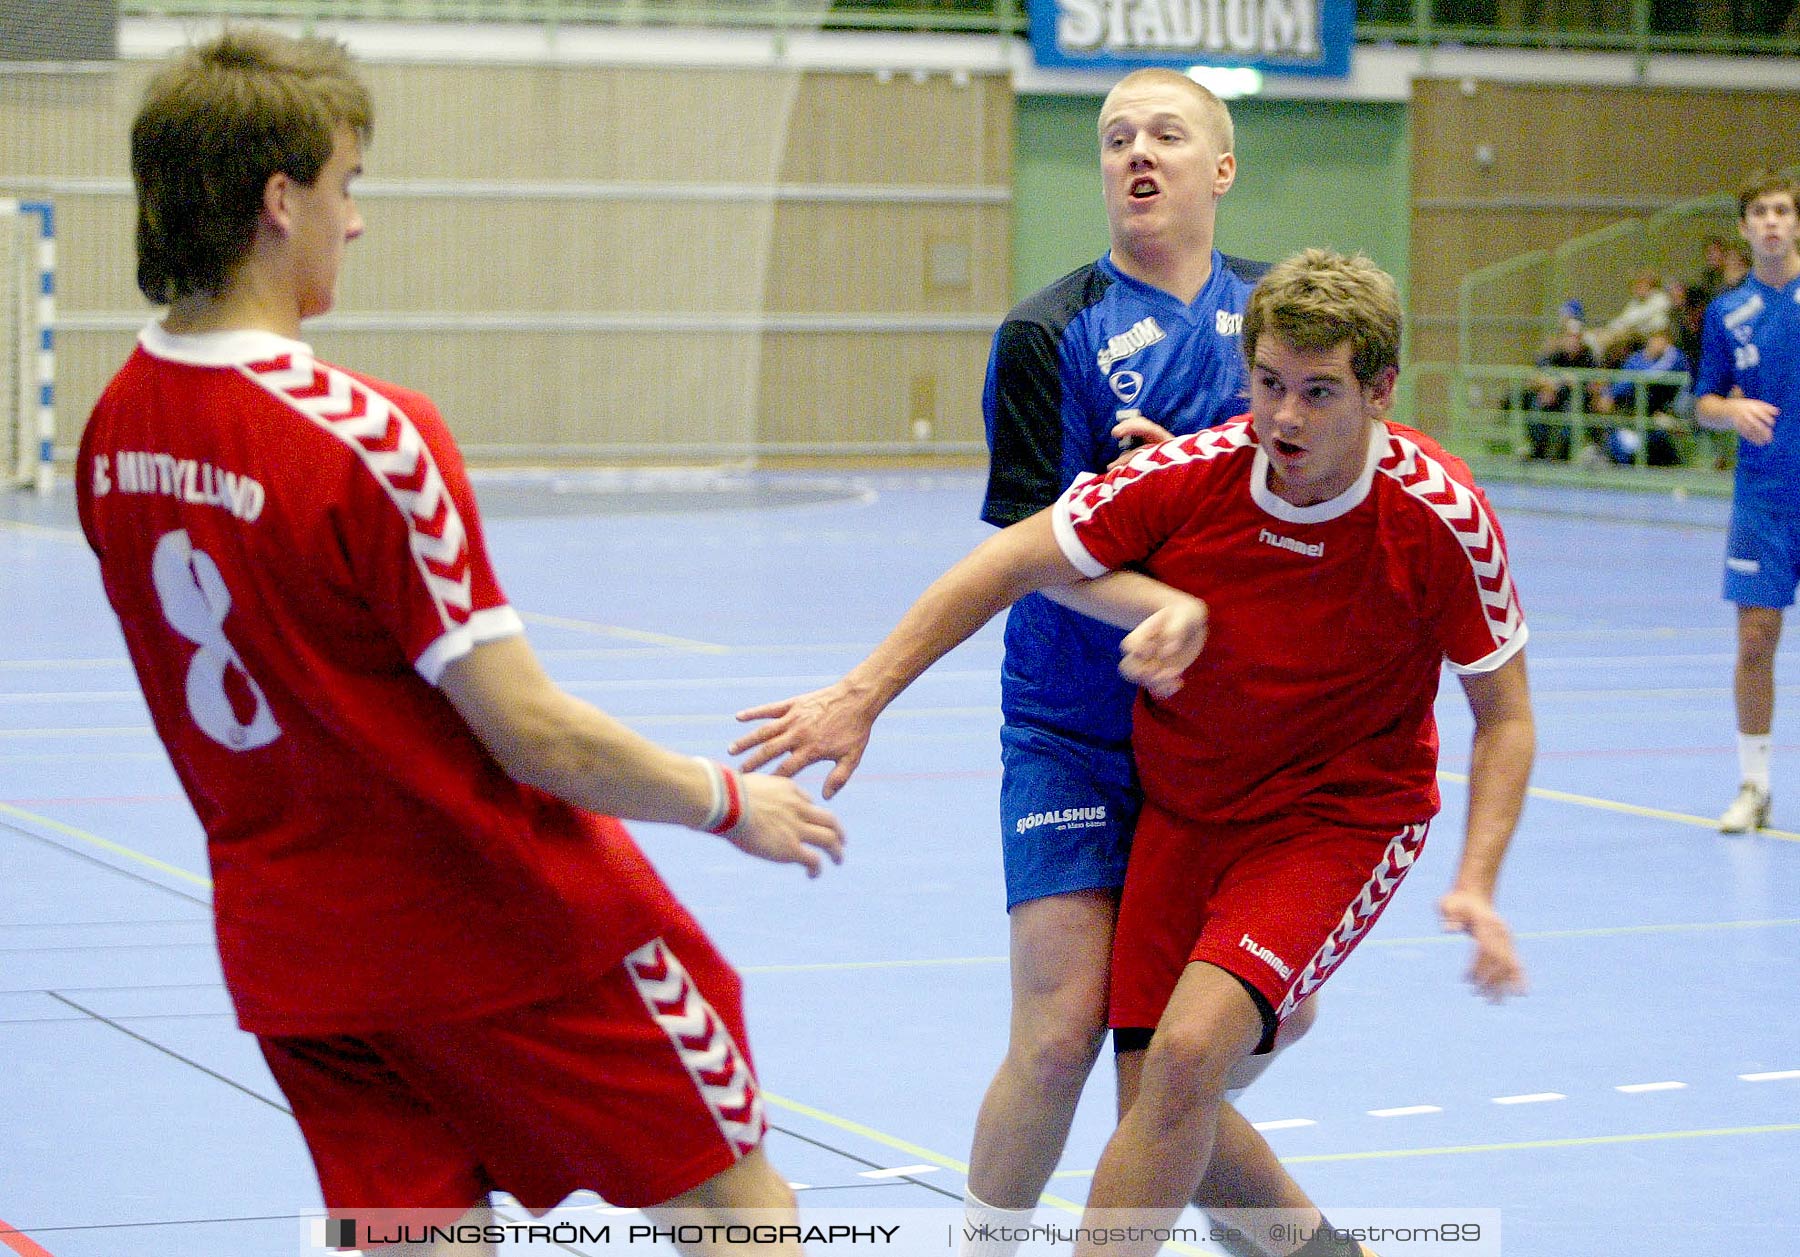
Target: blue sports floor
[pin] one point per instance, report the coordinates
(1645, 1097)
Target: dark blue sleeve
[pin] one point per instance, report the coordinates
(1717, 366)
(1022, 406)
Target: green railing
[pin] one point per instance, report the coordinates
(1488, 423)
(1617, 25)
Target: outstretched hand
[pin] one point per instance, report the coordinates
(828, 724)
(782, 824)
(1158, 651)
(1495, 972)
(1135, 431)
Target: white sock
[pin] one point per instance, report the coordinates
(1753, 758)
(981, 1218)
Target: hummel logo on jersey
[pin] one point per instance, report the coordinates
(1314, 551)
(1227, 323)
(1268, 957)
(1140, 335)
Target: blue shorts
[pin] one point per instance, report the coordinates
(1067, 809)
(1762, 555)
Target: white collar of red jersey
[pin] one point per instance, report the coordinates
(218, 349)
(1331, 508)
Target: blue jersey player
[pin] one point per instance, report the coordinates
(1138, 346)
(1750, 381)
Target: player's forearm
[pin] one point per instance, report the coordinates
(1012, 563)
(1123, 599)
(1711, 411)
(547, 738)
(1499, 776)
(586, 757)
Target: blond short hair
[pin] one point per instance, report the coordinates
(1318, 300)
(215, 124)
(1212, 110)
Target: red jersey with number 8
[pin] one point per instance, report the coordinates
(295, 556)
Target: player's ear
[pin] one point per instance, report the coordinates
(1224, 174)
(1381, 389)
(277, 208)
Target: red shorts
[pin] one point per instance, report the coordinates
(1277, 904)
(638, 1087)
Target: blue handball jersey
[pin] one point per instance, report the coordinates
(1751, 339)
(1067, 364)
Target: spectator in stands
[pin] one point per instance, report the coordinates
(1687, 311)
(1646, 311)
(1712, 267)
(1735, 267)
(1662, 402)
(1552, 391)
(1659, 353)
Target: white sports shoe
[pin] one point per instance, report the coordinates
(1750, 810)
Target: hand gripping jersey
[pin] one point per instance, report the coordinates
(1066, 364)
(295, 556)
(1751, 339)
(1328, 623)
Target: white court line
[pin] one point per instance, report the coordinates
(41, 665)
(900, 1171)
(1535, 1097)
(89, 731)
(1777, 1075)
(1285, 1123)
(812, 682)
(1408, 1110)
(1634, 1088)
(630, 635)
(41, 530)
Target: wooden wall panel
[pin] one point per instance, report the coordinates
(826, 388)
(1562, 161)
(480, 131)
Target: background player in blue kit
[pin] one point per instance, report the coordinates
(1141, 345)
(1749, 378)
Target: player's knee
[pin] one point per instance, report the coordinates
(1188, 1059)
(1057, 1056)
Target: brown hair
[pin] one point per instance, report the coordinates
(1319, 299)
(1763, 183)
(215, 124)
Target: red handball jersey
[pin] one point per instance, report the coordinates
(294, 554)
(1328, 623)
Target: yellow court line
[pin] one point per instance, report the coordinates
(106, 844)
(1524, 1145)
(1630, 809)
(634, 635)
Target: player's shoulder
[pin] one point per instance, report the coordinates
(1438, 484)
(1245, 271)
(1060, 302)
(1211, 448)
(1746, 296)
(1404, 440)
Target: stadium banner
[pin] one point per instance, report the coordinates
(1273, 36)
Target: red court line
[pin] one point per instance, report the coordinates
(21, 1243)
